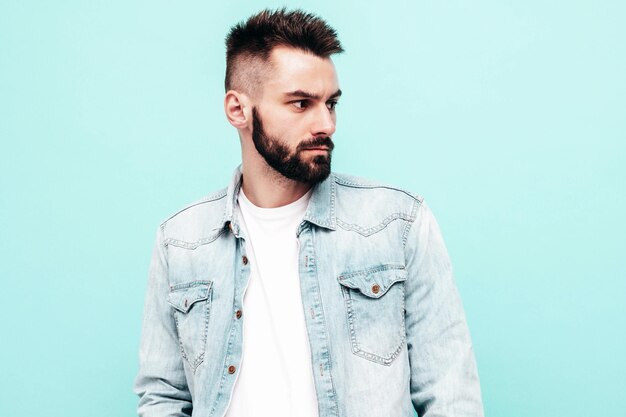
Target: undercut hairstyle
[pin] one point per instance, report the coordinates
(250, 43)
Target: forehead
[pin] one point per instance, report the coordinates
(294, 69)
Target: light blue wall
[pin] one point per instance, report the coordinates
(508, 116)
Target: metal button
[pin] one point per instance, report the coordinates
(244, 260)
(375, 288)
(238, 314)
(231, 369)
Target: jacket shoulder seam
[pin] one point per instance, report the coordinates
(218, 195)
(348, 182)
(416, 206)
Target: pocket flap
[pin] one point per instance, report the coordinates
(373, 282)
(183, 296)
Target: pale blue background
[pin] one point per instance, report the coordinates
(508, 116)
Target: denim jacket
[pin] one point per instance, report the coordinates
(386, 327)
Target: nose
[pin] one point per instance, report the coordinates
(324, 122)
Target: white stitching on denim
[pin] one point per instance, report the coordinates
(197, 243)
(356, 349)
(194, 362)
(374, 229)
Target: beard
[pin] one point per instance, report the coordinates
(292, 165)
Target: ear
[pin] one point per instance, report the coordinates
(237, 109)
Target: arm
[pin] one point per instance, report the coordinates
(161, 383)
(444, 379)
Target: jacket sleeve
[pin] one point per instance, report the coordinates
(444, 378)
(161, 383)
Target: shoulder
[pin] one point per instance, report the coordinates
(365, 187)
(197, 220)
(211, 201)
(366, 200)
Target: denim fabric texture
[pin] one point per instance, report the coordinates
(386, 326)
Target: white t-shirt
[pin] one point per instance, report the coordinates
(275, 377)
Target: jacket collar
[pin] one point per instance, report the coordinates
(320, 211)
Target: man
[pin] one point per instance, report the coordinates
(296, 291)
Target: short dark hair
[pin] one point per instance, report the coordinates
(249, 43)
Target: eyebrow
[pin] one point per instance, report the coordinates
(306, 94)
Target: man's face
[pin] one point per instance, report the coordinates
(295, 117)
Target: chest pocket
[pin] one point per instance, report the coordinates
(191, 304)
(374, 301)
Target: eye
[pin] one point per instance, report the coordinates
(301, 104)
(331, 104)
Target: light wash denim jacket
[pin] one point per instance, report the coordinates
(386, 326)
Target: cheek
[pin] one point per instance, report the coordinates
(290, 129)
(278, 119)
(282, 123)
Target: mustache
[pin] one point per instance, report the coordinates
(316, 143)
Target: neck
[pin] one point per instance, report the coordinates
(266, 188)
